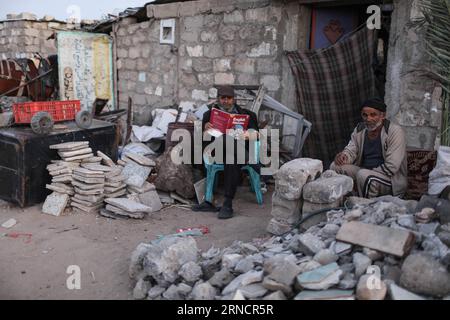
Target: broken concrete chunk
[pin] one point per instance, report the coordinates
(327, 190)
(277, 295)
(384, 239)
(203, 291)
(139, 159)
(321, 278)
(293, 175)
(277, 227)
(253, 291)
(55, 204)
(306, 243)
(398, 293)
(361, 263)
(242, 280)
(424, 275)
(9, 223)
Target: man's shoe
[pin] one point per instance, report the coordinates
(204, 207)
(225, 213)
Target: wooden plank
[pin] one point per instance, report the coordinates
(388, 240)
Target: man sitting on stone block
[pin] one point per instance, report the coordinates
(232, 171)
(375, 157)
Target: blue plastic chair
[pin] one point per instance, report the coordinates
(212, 169)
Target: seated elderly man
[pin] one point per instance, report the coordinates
(375, 157)
(232, 171)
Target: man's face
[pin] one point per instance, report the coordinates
(226, 101)
(372, 118)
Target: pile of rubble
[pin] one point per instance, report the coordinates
(367, 249)
(335, 259)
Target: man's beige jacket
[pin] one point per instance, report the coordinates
(393, 143)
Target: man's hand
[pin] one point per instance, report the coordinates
(341, 159)
(208, 126)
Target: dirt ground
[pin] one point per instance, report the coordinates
(34, 267)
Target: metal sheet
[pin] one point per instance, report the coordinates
(85, 67)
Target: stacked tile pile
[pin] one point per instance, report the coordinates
(89, 187)
(72, 154)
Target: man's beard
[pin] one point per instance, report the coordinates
(374, 127)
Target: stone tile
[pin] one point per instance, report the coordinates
(70, 145)
(9, 223)
(68, 154)
(89, 192)
(59, 189)
(85, 186)
(136, 174)
(116, 210)
(86, 180)
(55, 204)
(151, 200)
(325, 295)
(321, 278)
(85, 156)
(128, 205)
(88, 173)
(96, 167)
(105, 159)
(139, 159)
(117, 194)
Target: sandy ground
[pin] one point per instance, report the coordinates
(34, 267)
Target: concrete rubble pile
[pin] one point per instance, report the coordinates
(371, 249)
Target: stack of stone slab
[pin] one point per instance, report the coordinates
(114, 184)
(146, 195)
(324, 193)
(120, 207)
(89, 187)
(71, 153)
(287, 198)
(136, 169)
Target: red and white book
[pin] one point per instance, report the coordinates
(222, 121)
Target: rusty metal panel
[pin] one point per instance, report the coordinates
(85, 67)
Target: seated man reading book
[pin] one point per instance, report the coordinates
(232, 171)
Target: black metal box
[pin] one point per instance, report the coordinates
(25, 155)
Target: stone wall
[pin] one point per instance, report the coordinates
(413, 99)
(217, 42)
(21, 38)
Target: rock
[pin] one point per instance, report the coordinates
(293, 175)
(354, 214)
(155, 292)
(245, 264)
(434, 247)
(330, 230)
(428, 228)
(348, 282)
(444, 236)
(425, 215)
(243, 280)
(341, 248)
(424, 275)
(166, 258)
(357, 201)
(277, 295)
(276, 286)
(141, 289)
(440, 206)
(310, 207)
(203, 291)
(361, 263)
(190, 271)
(284, 271)
(285, 210)
(325, 295)
(177, 292)
(373, 254)
(308, 266)
(407, 221)
(321, 278)
(392, 273)
(384, 239)
(398, 293)
(306, 243)
(325, 256)
(369, 290)
(137, 258)
(327, 190)
(229, 261)
(253, 291)
(221, 278)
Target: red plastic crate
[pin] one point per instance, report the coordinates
(59, 110)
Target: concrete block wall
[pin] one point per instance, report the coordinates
(217, 42)
(413, 99)
(21, 38)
